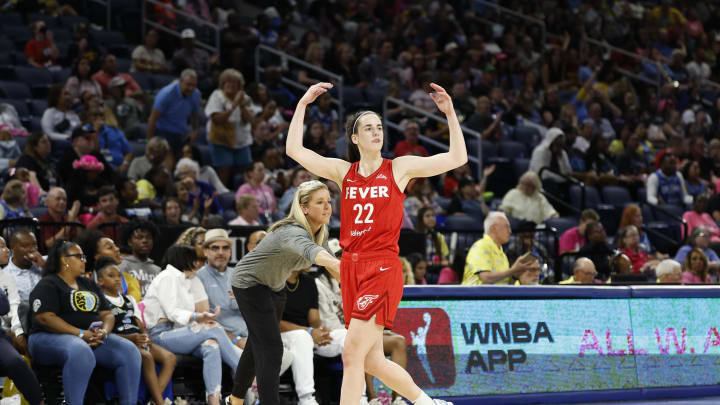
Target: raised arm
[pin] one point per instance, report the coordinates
(408, 167)
(328, 168)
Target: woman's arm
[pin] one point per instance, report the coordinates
(54, 324)
(332, 264)
(408, 167)
(328, 168)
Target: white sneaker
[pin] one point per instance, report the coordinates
(398, 401)
(363, 401)
(375, 401)
(441, 402)
(309, 400)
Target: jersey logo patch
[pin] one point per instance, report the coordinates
(36, 304)
(84, 301)
(365, 300)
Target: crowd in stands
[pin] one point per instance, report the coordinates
(113, 143)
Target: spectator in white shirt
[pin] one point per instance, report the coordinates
(248, 211)
(59, 121)
(148, 58)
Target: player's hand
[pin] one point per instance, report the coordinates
(442, 99)
(314, 92)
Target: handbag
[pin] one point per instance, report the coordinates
(222, 134)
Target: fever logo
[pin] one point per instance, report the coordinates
(431, 361)
(365, 300)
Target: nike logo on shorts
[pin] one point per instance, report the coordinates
(385, 268)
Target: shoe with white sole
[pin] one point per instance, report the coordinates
(441, 402)
(375, 401)
(398, 401)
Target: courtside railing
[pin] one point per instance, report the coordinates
(320, 73)
(387, 123)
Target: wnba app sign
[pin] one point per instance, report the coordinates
(427, 333)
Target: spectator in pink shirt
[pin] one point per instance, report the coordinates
(254, 185)
(574, 238)
(699, 217)
(695, 268)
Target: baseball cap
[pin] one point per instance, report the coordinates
(82, 131)
(187, 33)
(215, 235)
(116, 82)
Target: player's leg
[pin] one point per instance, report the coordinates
(361, 336)
(390, 373)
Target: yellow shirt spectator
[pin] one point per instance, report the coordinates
(484, 255)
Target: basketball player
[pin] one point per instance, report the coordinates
(371, 216)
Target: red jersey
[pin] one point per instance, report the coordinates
(371, 211)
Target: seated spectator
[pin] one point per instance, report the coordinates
(468, 192)
(633, 166)
(174, 324)
(315, 55)
(216, 280)
(486, 263)
(83, 46)
(190, 56)
(175, 105)
(583, 272)
(452, 179)
(14, 201)
(41, 50)
(96, 245)
(248, 211)
(109, 71)
(574, 238)
(195, 237)
(81, 82)
(190, 208)
(127, 111)
(418, 264)
(153, 189)
(698, 216)
(108, 219)
(303, 333)
(315, 138)
(188, 174)
(138, 235)
(551, 154)
(36, 159)
(322, 111)
(666, 185)
(620, 264)
(628, 242)
(229, 126)
(436, 249)
(9, 149)
(12, 364)
(695, 268)
(128, 324)
(206, 172)
(420, 194)
(146, 57)
(85, 185)
(65, 305)
(694, 184)
(30, 183)
(129, 205)
(155, 151)
(84, 142)
(254, 176)
(11, 320)
(531, 276)
(669, 272)
(26, 263)
(113, 144)
(527, 202)
(632, 215)
(57, 205)
(597, 249)
(699, 238)
(484, 122)
(59, 121)
(172, 213)
(599, 162)
(525, 243)
(411, 145)
(299, 175)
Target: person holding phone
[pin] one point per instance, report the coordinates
(174, 324)
(71, 325)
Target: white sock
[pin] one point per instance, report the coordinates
(423, 399)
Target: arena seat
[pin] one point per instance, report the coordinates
(527, 135)
(108, 38)
(15, 90)
(38, 79)
(562, 224)
(227, 200)
(520, 166)
(38, 106)
(513, 150)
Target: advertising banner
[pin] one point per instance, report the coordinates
(484, 347)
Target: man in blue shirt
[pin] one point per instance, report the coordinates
(174, 105)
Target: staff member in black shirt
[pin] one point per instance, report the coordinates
(71, 326)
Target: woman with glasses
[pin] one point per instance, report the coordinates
(71, 325)
(174, 323)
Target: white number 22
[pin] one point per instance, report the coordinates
(359, 208)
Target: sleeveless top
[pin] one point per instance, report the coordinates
(124, 318)
(371, 210)
(670, 188)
